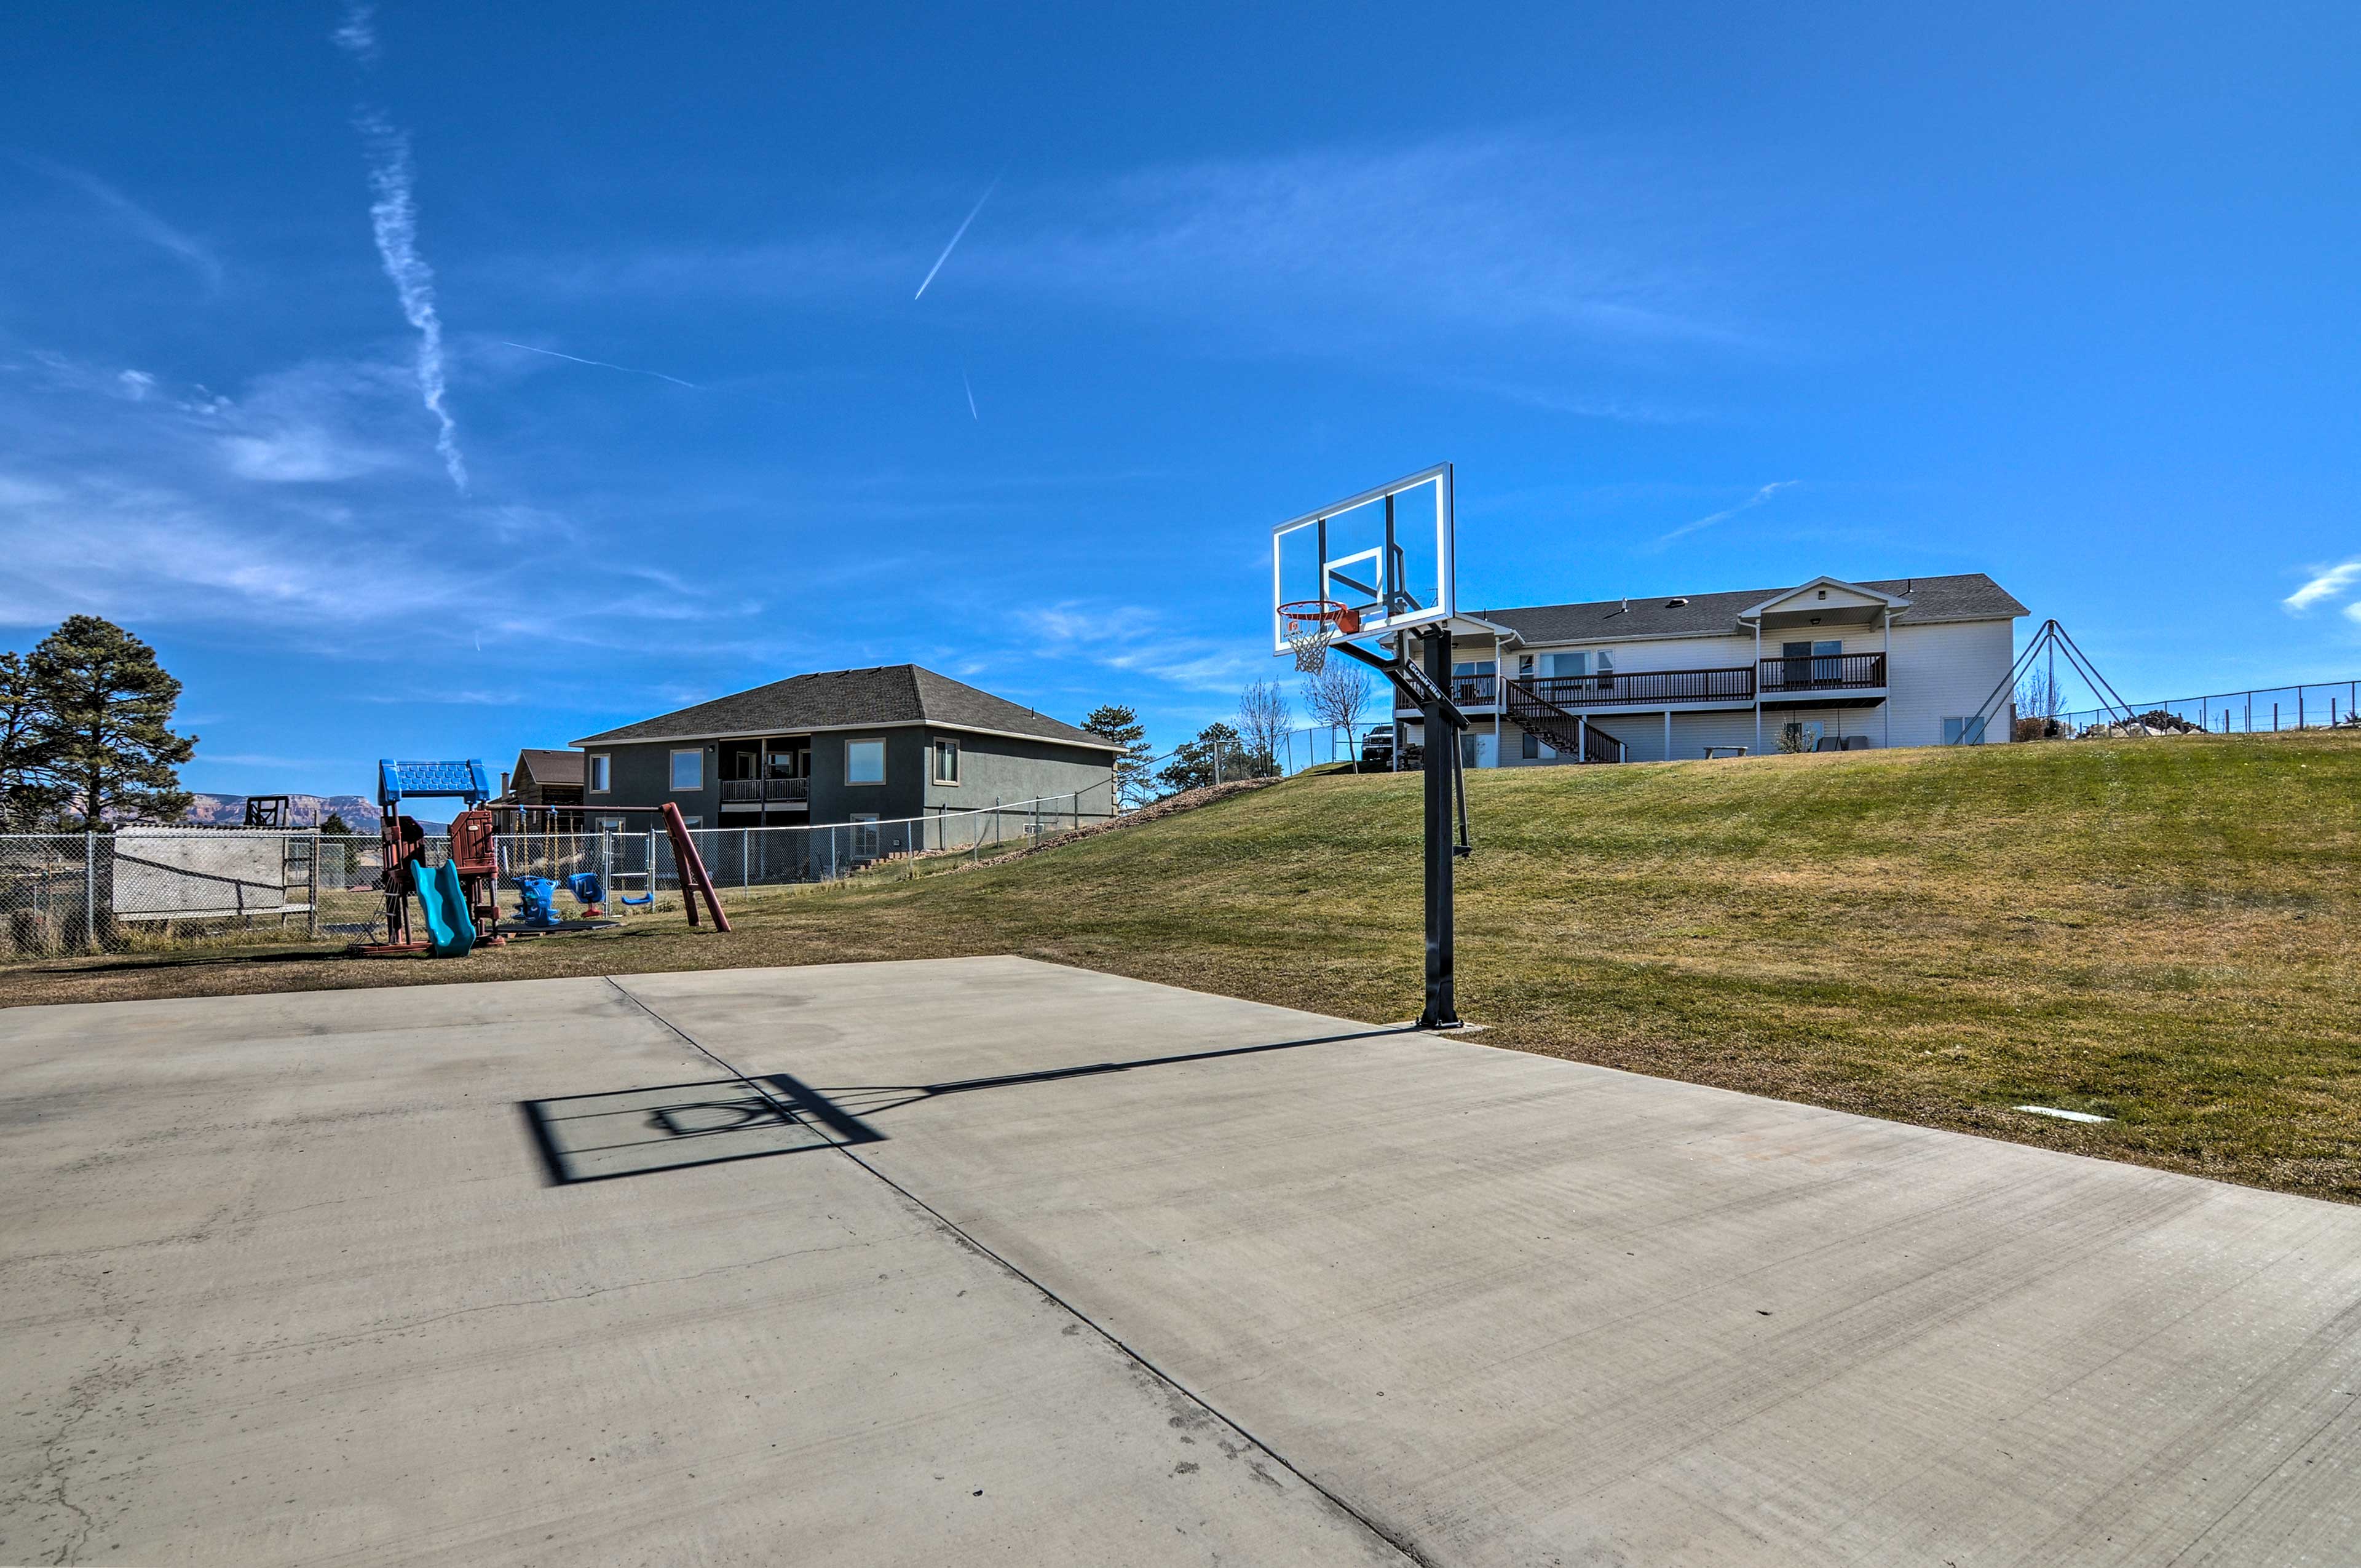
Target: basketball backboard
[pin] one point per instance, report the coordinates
(1385, 555)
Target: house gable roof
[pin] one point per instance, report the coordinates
(1861, 591)
(884, 695)
(1969, 595)
(546, 767)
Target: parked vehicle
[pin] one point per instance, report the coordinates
(1378, 751)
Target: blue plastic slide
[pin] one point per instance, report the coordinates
(450, 929)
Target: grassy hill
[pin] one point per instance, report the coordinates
(2163, 932)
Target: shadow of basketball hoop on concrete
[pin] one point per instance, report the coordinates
(637, 1131)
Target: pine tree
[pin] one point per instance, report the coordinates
(1216, 756)
(107, 706)
(29, 788)
(1122, 726)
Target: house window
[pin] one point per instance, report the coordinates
(1598, 661)
(1964, 732)
(692, 823)
(1471, 680)
(946, 761)
(864, 829)
(864, 761)
(610, 824)
(689, 769)
(598, 776)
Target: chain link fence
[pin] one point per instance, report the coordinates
(158, 888)
(2312, 705)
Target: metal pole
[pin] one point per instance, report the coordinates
(89, 888)
(1440, 752)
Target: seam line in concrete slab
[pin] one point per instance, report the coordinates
(1409, 1553)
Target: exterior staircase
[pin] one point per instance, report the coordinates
(1566, 734)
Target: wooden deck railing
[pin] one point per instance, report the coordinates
(765, 789)
(1645, 689)
(1825, 671)
(1734, 684)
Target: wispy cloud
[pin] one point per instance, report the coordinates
(2326, 585)
(1128, 637)
(394, 218)
(970, 387)
(1523, 242)
(957, 234)
(134, 217)
(1749, 504)
(357, 34)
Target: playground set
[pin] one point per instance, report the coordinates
(458, 897)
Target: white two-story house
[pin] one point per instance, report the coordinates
(1828, 665)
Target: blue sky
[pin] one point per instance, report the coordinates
(2060, 294)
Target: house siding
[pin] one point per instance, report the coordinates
(1947, 670)
(992, 767)
(1933, 671)
(1005, 769)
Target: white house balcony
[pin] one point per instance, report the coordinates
(1826, 680)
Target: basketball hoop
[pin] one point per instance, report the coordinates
(1311, 625)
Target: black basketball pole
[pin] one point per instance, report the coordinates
(1441, 753)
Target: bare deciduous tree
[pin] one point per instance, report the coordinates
(1264, 719)
(2039, 696)
(1336, 696)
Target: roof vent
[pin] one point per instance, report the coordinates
(1674, 604)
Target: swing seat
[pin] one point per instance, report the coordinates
(536, 905)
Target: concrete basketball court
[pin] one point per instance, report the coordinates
(868, 1265)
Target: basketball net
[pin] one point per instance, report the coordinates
(1311, 625)
(1309, 640)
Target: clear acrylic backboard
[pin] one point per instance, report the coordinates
(1384, 554)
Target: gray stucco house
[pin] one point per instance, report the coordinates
(880, 744)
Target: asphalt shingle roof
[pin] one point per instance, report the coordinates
(550, 767)
(836, 700)
(1971, 595)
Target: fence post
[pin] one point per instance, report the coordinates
(745, 845)
(90, 889)
(312, 918)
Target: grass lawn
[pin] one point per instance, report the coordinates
(2161, 931)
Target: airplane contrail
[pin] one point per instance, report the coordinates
(394, 218)
(956, 236)
(604, 365)
(971, 397)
